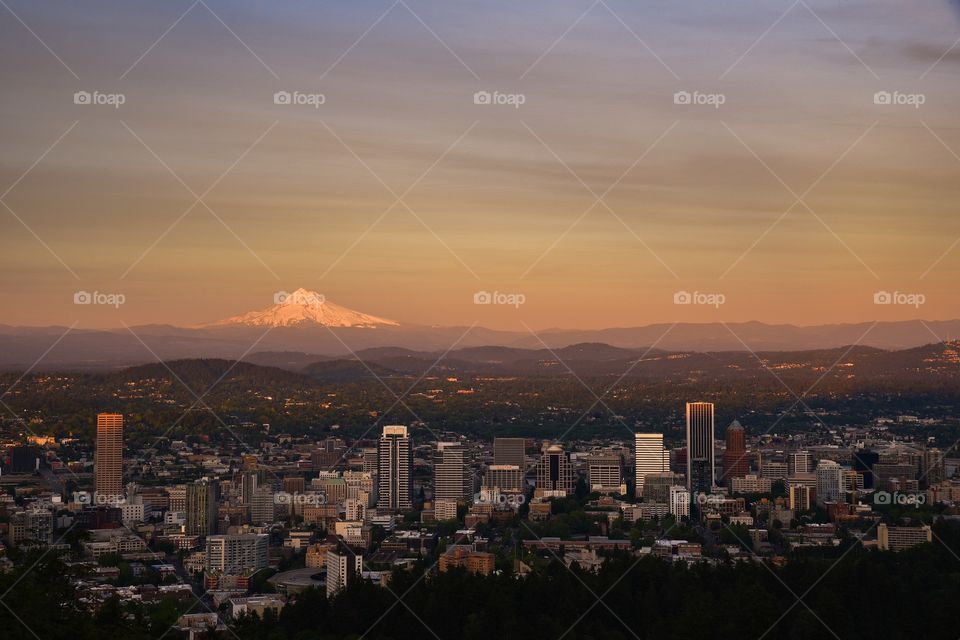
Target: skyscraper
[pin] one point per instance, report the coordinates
(554, 473)
(394, 460)
(701, 463)
(452, 477)
(604, 472)
(650, 457)
(829, 481)
(735, 462)
(344, 566)
(510, 451)
(108, 458)
(201, 508)
(799, 462)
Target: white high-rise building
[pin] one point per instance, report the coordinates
(343, 567)
(651, 457)
(829, 481)
(236, 554)
(452, 476)
(701, 458)
(394, 460)
(679, 501)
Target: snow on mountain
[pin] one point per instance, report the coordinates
(303, 307)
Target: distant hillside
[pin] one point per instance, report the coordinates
(59, 349)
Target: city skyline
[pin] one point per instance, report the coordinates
(405, 319)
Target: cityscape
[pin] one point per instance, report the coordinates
(432, 320)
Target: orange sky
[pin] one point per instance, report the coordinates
(597, 198)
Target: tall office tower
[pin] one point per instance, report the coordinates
(701, 463)
(604, 473)
(735, 461)
(799, 462)
(240, 554)
(263, 506)
(554, 472)
(863, 462)
(394, 458)
(829, 481)
(851, 481)
(201, 508)
(294, 484)
(508, 478)
(932, 467)
(800, 497)
(108, 458)
(679, 501)
(452, 476)
(344, 566)
(656, 486)
(370, 460)
(177, 495)
(650, 457)
(510, 451)
(249, 482)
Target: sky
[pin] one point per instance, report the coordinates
(629, 152)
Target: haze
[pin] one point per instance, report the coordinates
(797, 198)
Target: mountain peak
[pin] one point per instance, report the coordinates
(304, 307)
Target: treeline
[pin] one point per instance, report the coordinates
(858, 594)
(855, 594)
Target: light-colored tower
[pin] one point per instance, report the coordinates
(108, 458)
(394, 459)
(452, 478)
(701, 463)
(651, 457)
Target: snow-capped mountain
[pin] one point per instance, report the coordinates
(303, 307)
